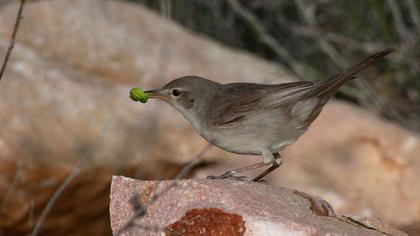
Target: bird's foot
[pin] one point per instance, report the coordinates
(261, 181)
(228, 175)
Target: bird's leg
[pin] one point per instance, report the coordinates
(276, 162)
(231, 173)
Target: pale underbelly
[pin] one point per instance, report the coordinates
(254, 136)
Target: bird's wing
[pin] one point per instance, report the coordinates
(239, 101)
(242, 100)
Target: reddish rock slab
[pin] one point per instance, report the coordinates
(227, 207)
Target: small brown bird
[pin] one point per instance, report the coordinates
(253, 119)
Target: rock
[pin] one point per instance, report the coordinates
(30, 189)
(66, 89)
(81, 209)
(227, 207)
(80, 64)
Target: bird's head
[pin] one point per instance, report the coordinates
(188, 94)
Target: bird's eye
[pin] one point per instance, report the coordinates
(175, 92)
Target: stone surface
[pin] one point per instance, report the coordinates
(75, 68)
(66, 88)
(228, 207)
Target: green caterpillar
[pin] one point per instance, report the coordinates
(136, 94)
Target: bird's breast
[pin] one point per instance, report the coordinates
(252, 135)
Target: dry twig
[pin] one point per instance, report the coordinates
(141, 210)
(307, 12)
(414, 14)
(408, 38)
(310, 32)
(399, 24)
(74, 172)
(12, 38)
(267, 39)
(12, 187)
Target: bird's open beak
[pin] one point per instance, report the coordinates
(157, 93)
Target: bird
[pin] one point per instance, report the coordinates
(251, 118)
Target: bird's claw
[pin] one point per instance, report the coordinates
(261, 181)
(228, 175)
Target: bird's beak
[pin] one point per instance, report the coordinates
(158, 93)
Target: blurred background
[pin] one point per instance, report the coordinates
(316, 39)
(67, 124)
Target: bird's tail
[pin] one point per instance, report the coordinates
(331, 85)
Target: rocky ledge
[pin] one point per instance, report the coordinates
(227, 207)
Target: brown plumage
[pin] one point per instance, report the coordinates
(254, 119)
(251, 98)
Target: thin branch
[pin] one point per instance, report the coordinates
(414, 14)
(166, 9)
(141, 210)
(400, 27)
(12, 187)
(408, 39)
(74, 172)
(309, 32)
(307, 13)
(12, 38)
(266, 38)
(341, 40)
(31, 212)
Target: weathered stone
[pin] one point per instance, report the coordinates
(227, 207)
(207, 221)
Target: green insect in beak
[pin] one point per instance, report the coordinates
(138, 95)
